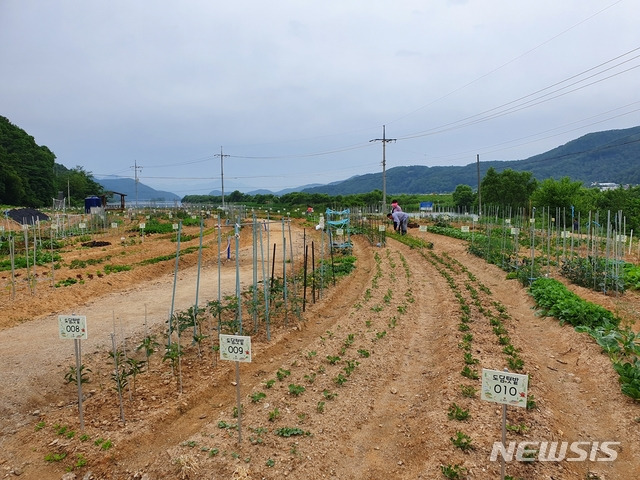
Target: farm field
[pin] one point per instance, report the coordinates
(368, 384)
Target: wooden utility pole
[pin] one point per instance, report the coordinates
(221, 155)
(479, 196)
(137, 180)
(384, 141)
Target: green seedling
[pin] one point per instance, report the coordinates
(468, 391)
(257, 397)
(329, 395)
(274, 414)
(462, 441)
(469, 373)
(296, 390)
(333, 359)
(457, 413)
(55, 457)
(453, 472)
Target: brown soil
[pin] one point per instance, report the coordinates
(393, 323)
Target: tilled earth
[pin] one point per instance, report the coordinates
(359, 387)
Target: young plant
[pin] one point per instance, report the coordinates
(453, 472)
(257, 397)
(333, 359)
(457, 413)
(274, 414)
(72, 377)
(462, 441)
(468, 391)
(328, 395)
(469, 373)
(296, 390)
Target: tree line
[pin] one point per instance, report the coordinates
(513, 191)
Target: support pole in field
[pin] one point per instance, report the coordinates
(284, 275)
(78, 352)
(219, 274)
(313, 272)
(117, 375)
(254, 256)
(196, 330)
(175, 280)
(304, 285)
(238, 292)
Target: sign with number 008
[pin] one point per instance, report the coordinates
(504, 387)
(235, 348)
(72, 326)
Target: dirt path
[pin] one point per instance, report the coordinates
(379, 357)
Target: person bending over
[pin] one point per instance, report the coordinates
(400, 221)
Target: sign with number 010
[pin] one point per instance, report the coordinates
(504, 387)
(72, 326)
(235, 348)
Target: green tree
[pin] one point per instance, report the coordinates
(463, 197)
(507, 188)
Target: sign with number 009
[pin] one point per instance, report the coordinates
(504, 387)
(72, 326)
(235, 348)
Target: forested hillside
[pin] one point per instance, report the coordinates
(26, 169)
(30, 177)
(609, 156)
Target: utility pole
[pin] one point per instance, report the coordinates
(384, 141)
(221, 155)
(135, 169)
(479, 196)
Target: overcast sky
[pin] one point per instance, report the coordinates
(294, 91)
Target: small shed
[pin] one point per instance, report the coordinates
(113, 206)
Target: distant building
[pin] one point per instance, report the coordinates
(605, 186)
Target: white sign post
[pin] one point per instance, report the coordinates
(236, 348)
(75, 327)
(508, 389)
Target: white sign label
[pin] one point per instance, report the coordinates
(174, 226)
(142, 225)
(339, 231)
(114, 225)
(422, 228)
(464, 228)
(504, 387)
(515, 231)
(235, 348)
(382, 228)
(82, 226)
(507, 221)
(72, 326)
